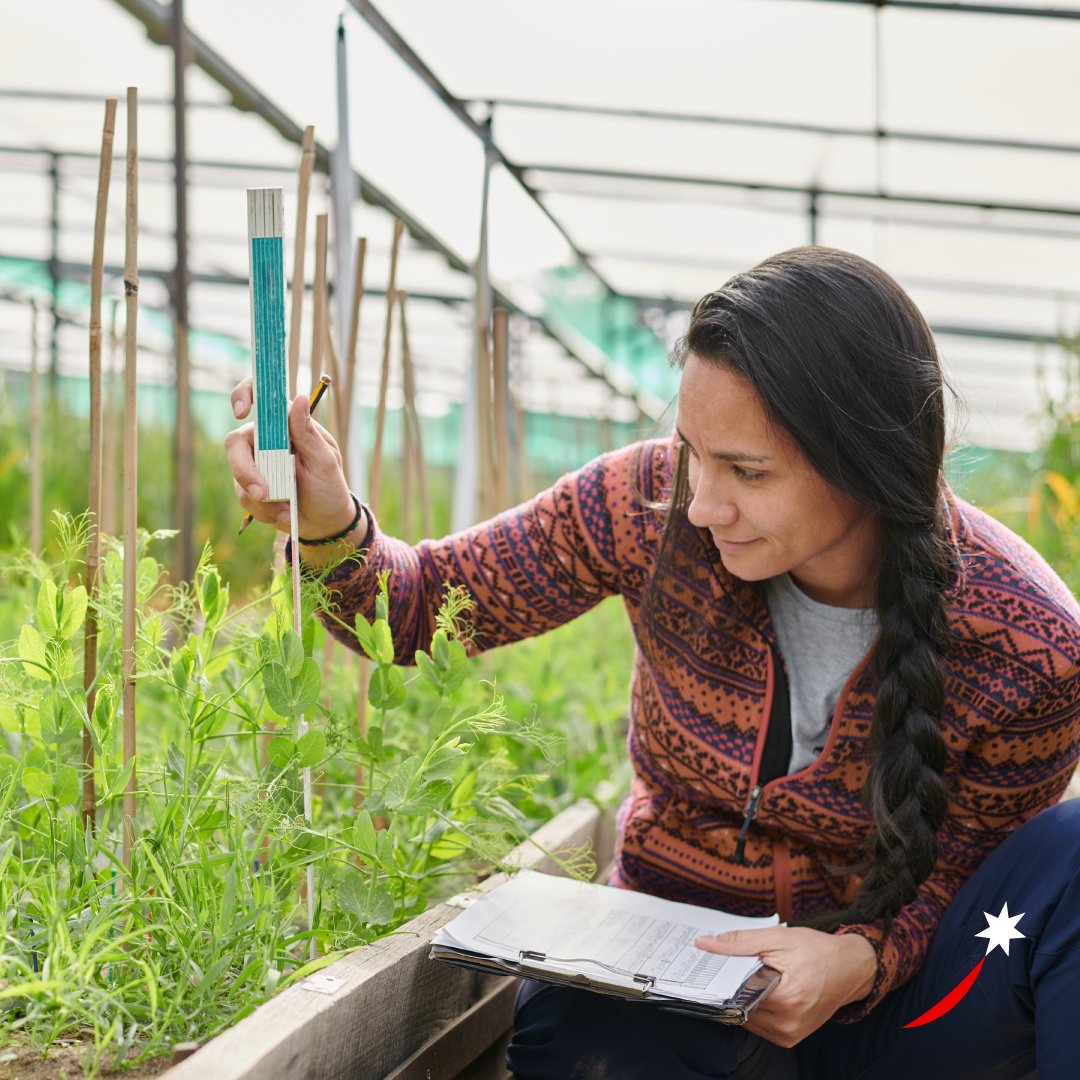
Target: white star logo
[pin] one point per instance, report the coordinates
(1001, 929)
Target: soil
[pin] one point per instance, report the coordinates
(19, 1061)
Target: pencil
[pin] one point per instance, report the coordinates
(313, 403)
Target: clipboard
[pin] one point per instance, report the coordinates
(531, 965)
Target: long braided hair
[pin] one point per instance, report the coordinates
(844, 362)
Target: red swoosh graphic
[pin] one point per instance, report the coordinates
(953, 997)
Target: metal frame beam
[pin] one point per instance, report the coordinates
(898, 134)
(963, 9)
(154, 16)
(482, 130)
(799, 189)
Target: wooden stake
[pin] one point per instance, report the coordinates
(93, 545)
(35, 434)
(501, 411)
(384, 375)
(131, 461)
(111, 427)
(307, 163)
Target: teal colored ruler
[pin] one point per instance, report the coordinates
(266, 228)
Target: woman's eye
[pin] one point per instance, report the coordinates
(744, 474)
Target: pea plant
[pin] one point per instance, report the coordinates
(210, 918)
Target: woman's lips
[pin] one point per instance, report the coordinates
(732, 545)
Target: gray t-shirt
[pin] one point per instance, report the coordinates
(821, 646)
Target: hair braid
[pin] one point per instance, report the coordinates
(906, 791)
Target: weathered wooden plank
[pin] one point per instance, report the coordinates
(393, 999)
(463, 1040)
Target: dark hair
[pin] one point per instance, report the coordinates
(844, 362)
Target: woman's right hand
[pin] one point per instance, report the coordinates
(324, 504)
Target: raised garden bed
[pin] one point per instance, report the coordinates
(397, 1015)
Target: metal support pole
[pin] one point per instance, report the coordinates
(184, 449)
(54, 270)
(466, 482)
(342, 196)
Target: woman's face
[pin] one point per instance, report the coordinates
(768, 511)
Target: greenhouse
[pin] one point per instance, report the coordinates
(541, 540)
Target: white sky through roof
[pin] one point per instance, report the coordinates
(784, 60)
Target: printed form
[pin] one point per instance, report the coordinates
(613, 934)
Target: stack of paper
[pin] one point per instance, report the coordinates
(614, 940)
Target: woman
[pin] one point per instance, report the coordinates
(849, 688)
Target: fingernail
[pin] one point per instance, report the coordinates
(236, 409)
(254, 491)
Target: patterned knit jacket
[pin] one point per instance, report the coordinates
(701, 696)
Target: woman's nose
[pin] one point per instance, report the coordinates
(704, 512)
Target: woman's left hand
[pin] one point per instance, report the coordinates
(818, 974)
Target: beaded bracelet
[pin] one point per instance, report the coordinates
(361, 511)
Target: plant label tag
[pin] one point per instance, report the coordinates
(462, 900)
(322, 984)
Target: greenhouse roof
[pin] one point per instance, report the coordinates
(641, 155)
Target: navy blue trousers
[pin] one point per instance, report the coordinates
(1020, 1020)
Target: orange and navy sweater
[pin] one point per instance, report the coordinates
(702, 693)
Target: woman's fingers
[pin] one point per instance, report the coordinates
(240, 452)
(241, 399)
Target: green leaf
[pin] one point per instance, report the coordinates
(444, 762)
(146, 576)
(9, 716)
(74, 611)
(104, 710)
(429, 797)
(429, 672)
(46, 608)
(387, 688)
(118, 781)
(366, 637)
(65, 784)
(61, 659)
(384, 642)
(38, 784)
(60, 720)
(291, 697)
(364, 831)
(175, 763)
(440, 650)
(209, 592)
(292, 653)
(280, 750)
(463, 793)
(451, 845)
(8, 766)
(310, 749)
(403, 784)
(371, 903)
(32, 653)
(375, 741)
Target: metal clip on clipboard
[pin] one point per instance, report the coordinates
(529, 959)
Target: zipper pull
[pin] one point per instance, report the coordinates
(748, 816)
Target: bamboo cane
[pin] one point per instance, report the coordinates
(501, 412)
(337, 411)
(485, 462)
(307, 163)
(112, 408)
(131, 295)
(375, 487)
(93, 545)
(35, 434)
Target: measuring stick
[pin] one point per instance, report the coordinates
(273, 456)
